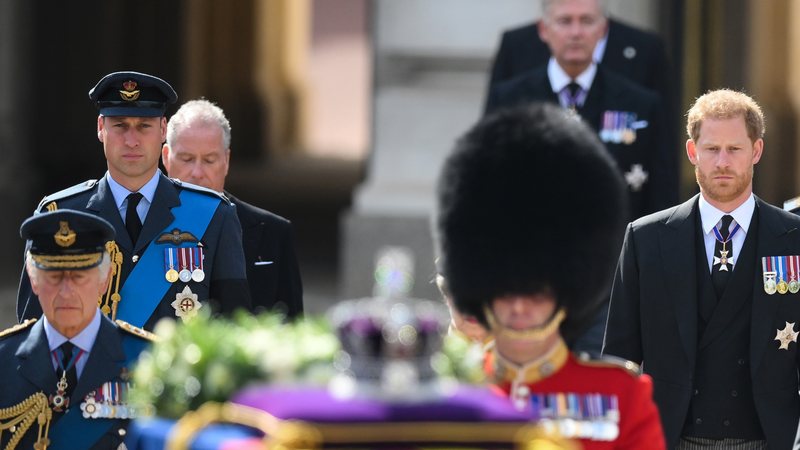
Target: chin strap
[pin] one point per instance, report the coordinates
(537, 334)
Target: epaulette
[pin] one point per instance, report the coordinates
(792, 204)
(136, 331)
(17, 328)
(198, 188)
(585, 359)
(68, 192)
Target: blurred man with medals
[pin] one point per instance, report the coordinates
(65, 375)
(702, 296)
(510, 255)
(178, 246)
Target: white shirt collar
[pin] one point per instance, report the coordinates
(559, 79)
(120, 192)
(600, 49)
(84, 340)
(710, 216)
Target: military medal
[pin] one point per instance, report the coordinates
(767, 265)
(197, 264)
(723, 259)
(782, 286)
(794, 285)
(786, 336)
(183, 259)
(60, 400)
(186, 304)
(578, 416)
(172, 274)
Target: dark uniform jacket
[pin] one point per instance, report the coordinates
(272, 270)
(225, 282)
(656, 318)
(635, 54)
(613, 94)
(28, 368)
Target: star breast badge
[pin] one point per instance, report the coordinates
(786, 336)
(186, 304)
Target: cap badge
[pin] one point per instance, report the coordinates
(65, 236)
(130, 93)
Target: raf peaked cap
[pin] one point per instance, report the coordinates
(132, 94)
(529, 202)
(65, 239)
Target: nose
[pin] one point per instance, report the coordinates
(197, 171)
(723, 159)
(130, 139)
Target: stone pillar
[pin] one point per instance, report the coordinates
(431, 65)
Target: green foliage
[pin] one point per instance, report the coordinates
(208, 359)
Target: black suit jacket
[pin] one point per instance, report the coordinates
(653, 317)
(633, 53)
(610, 92)
(27, 369)
(225, 281)
(272, 270)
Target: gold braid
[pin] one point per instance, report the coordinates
(22, 415)
(108, 301)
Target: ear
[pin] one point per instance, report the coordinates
(163, 129)
(227, 160)
(100, 127)
(165, 156)
(32, 277)
(758, 149)
(542, 28)
(691, 151)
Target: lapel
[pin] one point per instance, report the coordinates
(252, 226)
(35, 363)
(593, 106)
(772, 241)
(102, 203)
(160, 214)
(105, 363)
(539, 85)
(677, 246)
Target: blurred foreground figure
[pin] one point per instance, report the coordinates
(531, 209)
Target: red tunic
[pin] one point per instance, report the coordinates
(611, 407)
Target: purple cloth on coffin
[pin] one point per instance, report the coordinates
(152, 434)
(465, 404)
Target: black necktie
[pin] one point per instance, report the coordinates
(72, 372)
(132, 222)
(722, 265)
(574, 90)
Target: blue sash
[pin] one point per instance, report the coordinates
(73, 431)
(146, 286)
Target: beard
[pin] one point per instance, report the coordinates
(724, 191)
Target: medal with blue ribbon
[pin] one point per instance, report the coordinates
(723, 259)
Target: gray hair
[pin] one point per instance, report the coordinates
(199, 111)
(601, 4)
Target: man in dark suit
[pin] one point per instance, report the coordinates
(178, 247)
(70, 368)
(198, 151)
(633, 53)
(706, 294)
(628, 118)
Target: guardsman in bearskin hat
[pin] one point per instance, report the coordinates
(65, 376)
(531, 209)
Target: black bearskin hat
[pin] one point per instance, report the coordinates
(528, 201)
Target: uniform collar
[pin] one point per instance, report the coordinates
(710, 215)
(539, 369)
(559, 79)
